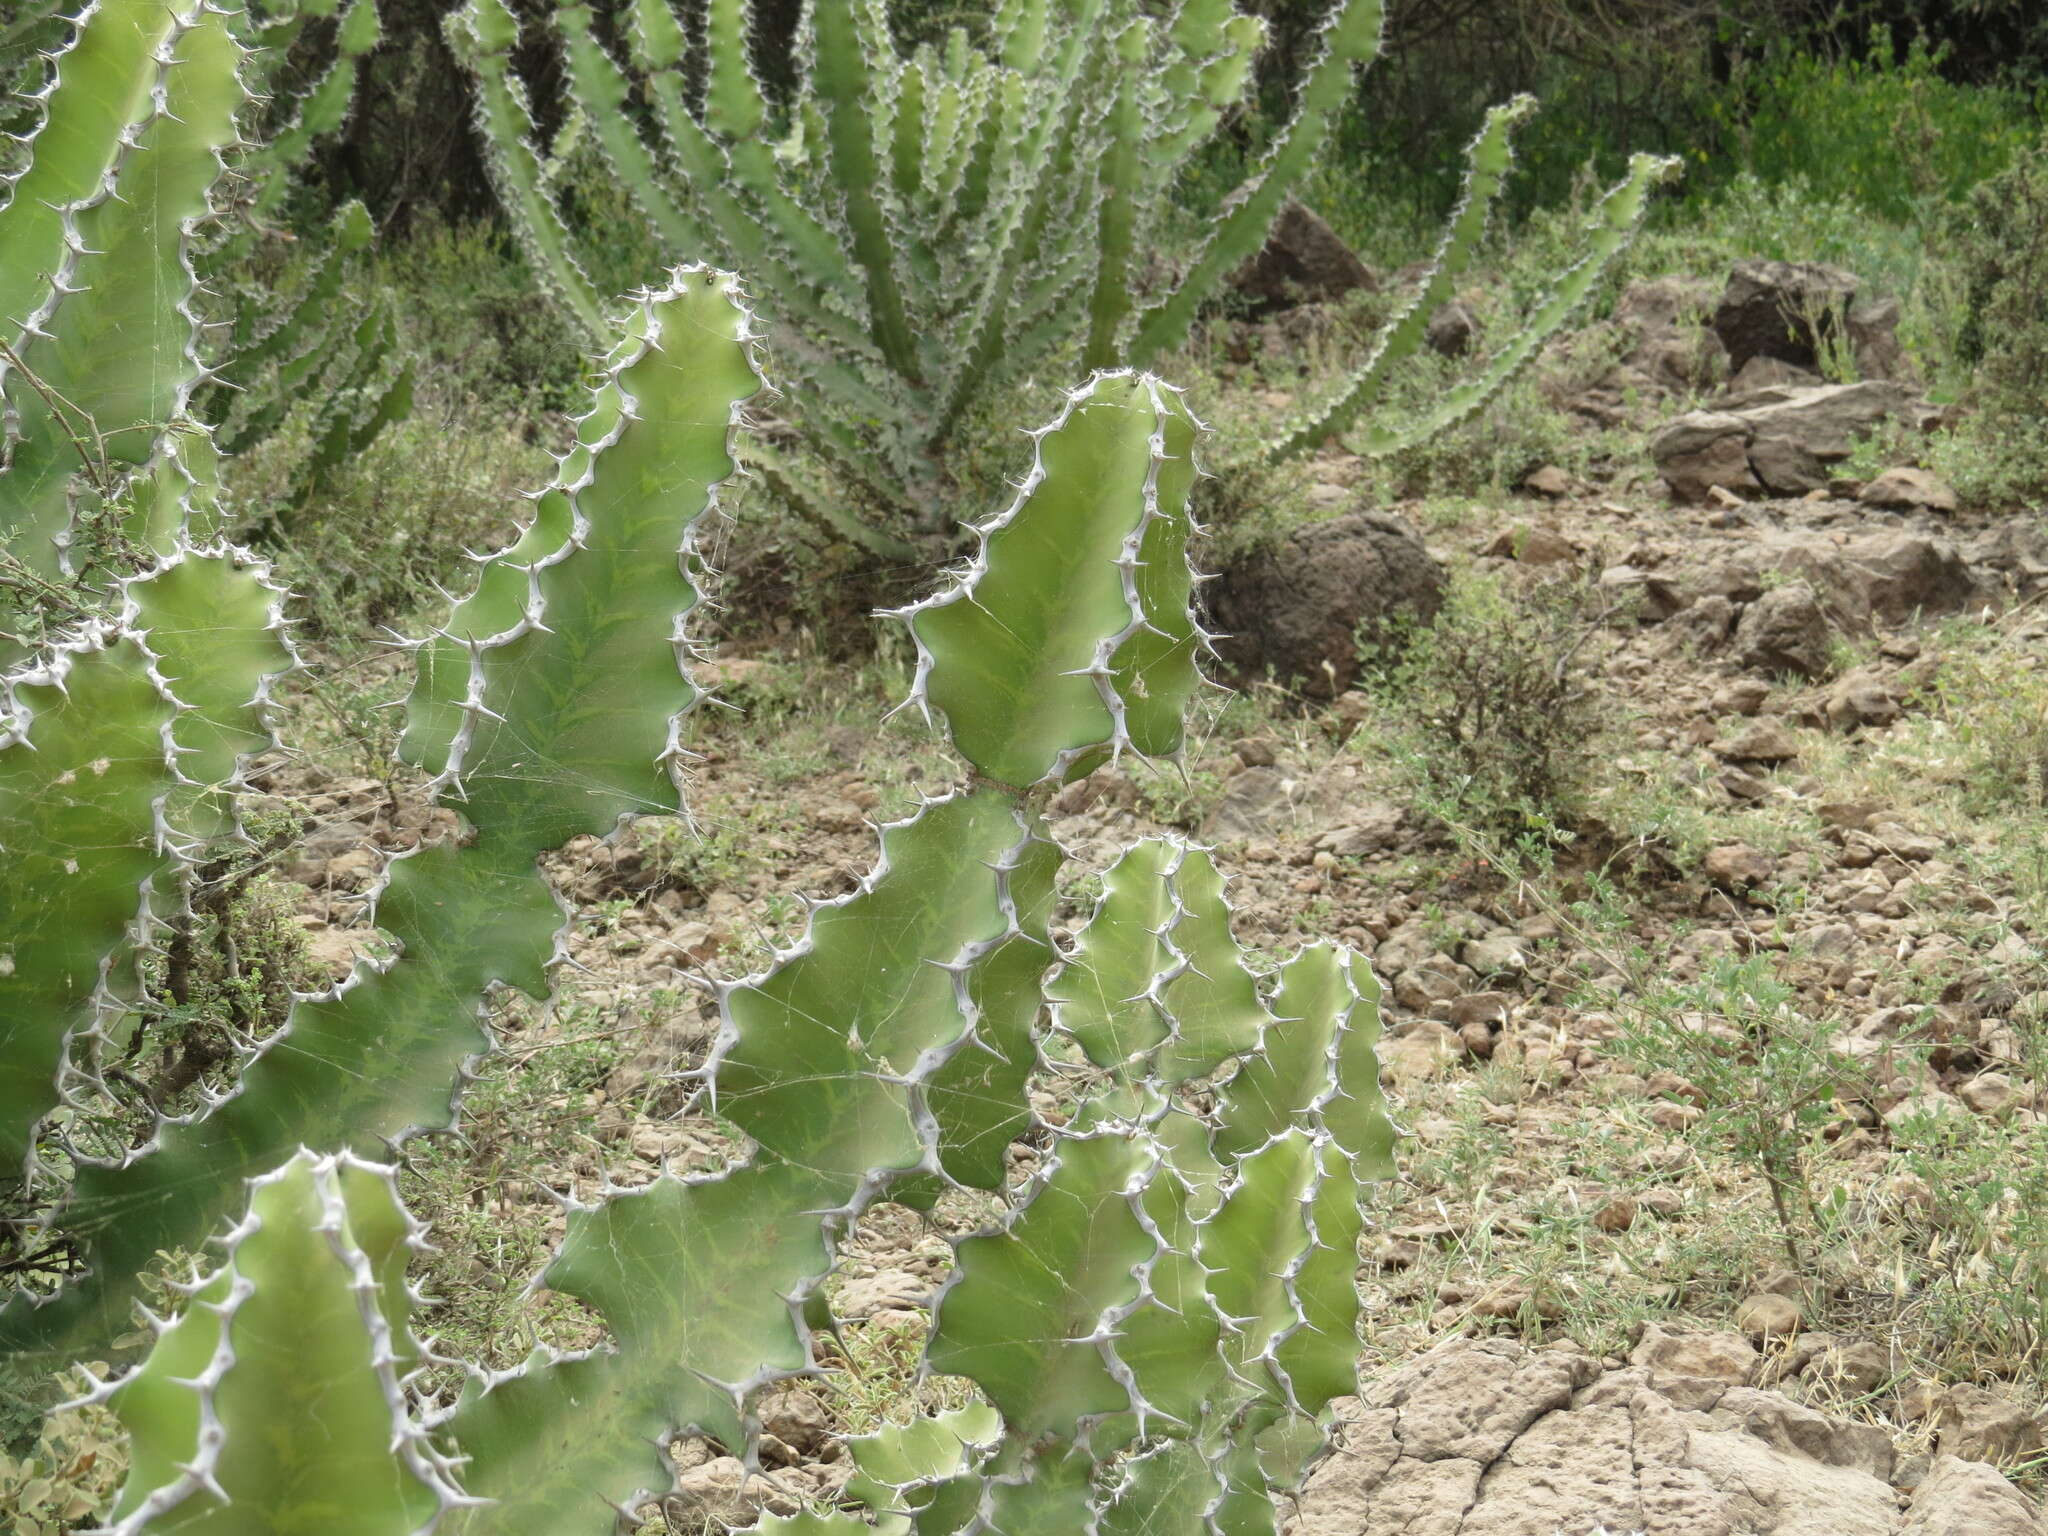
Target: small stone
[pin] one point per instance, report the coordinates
(797, 1418)
(1744, 696)
(1368, 829)
(1481, 1008)
(1508, 1301)
(1667, 1116)
(1420, 1053)
(1548, 481)
(1501, 955)
(1434, 981)
(1616, 1215)
(892, 1290)
(1860, 1368)
(1533, 546)
(1763, 741)
(1831, 941)
(1257, 751)
(1981, 1426)
(1452, 329)
(1988, 1093)
(1727, 1357)
(1930, 1105)
(1767, 1315)
(1908, 490)
(1784, 630)
(1737, 866)
(354, 868)
(1351, 710)
(1861, 698)
(1395, 1253)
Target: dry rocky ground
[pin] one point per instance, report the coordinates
(1586, 1310)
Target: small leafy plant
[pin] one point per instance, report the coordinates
(1490, 713)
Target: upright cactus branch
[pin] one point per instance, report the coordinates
(937, 226)
(547, 708)
(1160, 1314)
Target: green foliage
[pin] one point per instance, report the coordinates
(1489, 711)
(1766, 1076)
(1886, 133)
(1608, 230)
(69, 1474)
(2002, 330)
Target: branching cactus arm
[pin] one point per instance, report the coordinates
(1034, 658)
(549, 708)
(482, 34)
(1489, 159)
(1172, 1287)
(105, 332)
(306, 1323)
(116, 757)
(84, 770)
(1611, 228)
(1351, 40)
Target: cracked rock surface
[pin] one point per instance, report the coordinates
(1488, 1437)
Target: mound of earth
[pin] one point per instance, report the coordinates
(1491, 1438)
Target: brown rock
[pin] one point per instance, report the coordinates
(1967, 1498)
(1416, 1055)
(1744, 696)
(1909, 490)
(1859, 698)
(1485, 1437)
(1981, 1426)
(1549, 481)
(1766, 1316)
(1785, 630)
(1792, 311)
(890, 1290)
(1860, 1368)
(1616, 1215)
(1670, 349)
(1764, 741)
(1366, 829)
(1264, 803)
(1761, 373)
(1701, 450)
(1708, 1356)
(1452, 330)
(1303, 262)
(1297, 607)
(1988, 1093)
(1481, 1008)
(1738, 866)
(797, 1419)
(1533, 546)
(1889, 577)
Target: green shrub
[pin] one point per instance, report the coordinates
(1761, 1069)
(1489, 712)
(2001, 245)
(1894, 138)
